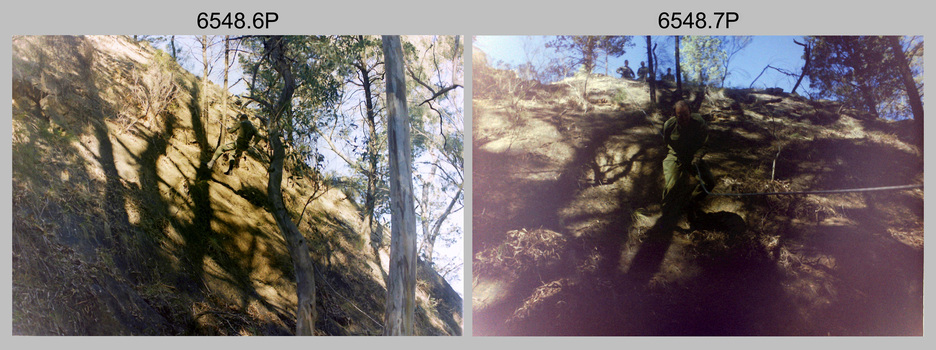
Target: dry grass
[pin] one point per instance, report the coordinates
(772, 265)
(121, 233)
(521, 251)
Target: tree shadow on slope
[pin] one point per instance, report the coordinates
(874, 284)
(585, 265)
(351, 304)
(615, 274)
(131, 276)
(849, 163)
(223, 246)
(512, 197)
(863, 251)
(95, 230)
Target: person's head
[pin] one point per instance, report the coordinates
(682, 112)
(641, 63)
(625, 62)
(243, 116)
(668, 70)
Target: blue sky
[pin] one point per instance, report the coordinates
(776, 51)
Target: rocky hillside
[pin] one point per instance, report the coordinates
(120, 229)
(567, 191)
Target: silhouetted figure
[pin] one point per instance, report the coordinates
(669, 78)
(642, 72)
(626, 71)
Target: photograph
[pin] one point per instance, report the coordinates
(693, 185)
(196, 185)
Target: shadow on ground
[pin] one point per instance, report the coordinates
(569, 239)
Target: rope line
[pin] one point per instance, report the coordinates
(702, 183)
(848, 190)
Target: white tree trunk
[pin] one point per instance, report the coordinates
(401, 288)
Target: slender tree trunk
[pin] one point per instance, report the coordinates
(297, 245)
(424, 213)
(585, 94)
(870, 101)
(678, 71)
(607, 65)
(437, 226)
(916, 104)
(172, 47)
(204, 93)
(401, 289)
(651, 75)
(807, 53)
(370, 198)
(224, 95)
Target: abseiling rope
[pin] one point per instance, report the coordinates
(848, 190)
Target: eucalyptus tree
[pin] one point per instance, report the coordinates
(585, 49)
(435, 68)
(284, 70)
(702, 58)
(362, 62)
(401, 284)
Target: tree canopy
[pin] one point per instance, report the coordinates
(863, 72)
(584, 50)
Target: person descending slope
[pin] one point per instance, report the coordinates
(685, 136)
(245, 133)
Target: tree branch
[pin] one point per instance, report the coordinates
(440, 93)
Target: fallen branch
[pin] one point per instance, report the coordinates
(772, 67)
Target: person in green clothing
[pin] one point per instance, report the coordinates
(685, 136)
(625, 71)
(669, 78)
(642, 72)
(245, 133)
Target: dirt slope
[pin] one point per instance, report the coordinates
(119, 228)
(566, 206)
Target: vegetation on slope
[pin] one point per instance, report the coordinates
(568, 189)
(116, 233)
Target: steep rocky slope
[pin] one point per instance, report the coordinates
(120, 229)
(567, 200)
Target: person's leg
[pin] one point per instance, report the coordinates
(670, 170)
(673, 191)
(218, 152)
(235, 161)
(694, 207)
(708, 180)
